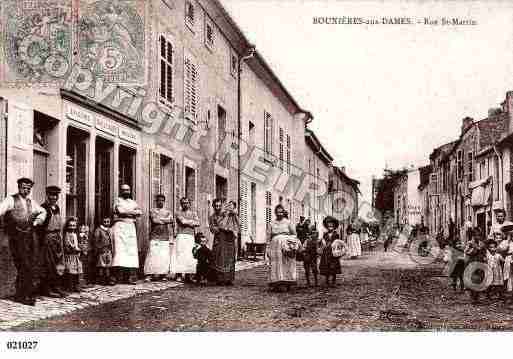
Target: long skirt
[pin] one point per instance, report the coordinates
(183, 261)
(354, 247)
(283, 268)
(158, 258)
(124, 238)
(223, 251)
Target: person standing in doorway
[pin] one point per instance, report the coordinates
(224, 225)
(186, 222)
(156, 266)
(21, 215)
(51, 247)
(126, 254)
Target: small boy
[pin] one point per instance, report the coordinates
(310, 255)
(103, 247)
(86, 279)
(475, 252)
(203, 255)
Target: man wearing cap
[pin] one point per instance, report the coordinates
(21, 215)
(51, 249)
(126, 254)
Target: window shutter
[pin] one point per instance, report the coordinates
(166, 70)
(288, 154)
(191, 88)
(244, 206)
(268, 210)
(156, 175)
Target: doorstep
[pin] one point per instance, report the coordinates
(13, 314)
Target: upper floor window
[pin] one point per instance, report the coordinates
(209, 34)
(166, 71)
(190, 14)
(459, 165)
(470, 165)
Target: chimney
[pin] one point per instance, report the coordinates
(466, 123)
(494, 111)
(343, 169)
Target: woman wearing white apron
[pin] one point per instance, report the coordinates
(183, 262)
(126, 254)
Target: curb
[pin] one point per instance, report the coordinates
(13, 314)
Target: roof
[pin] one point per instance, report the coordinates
(313, 142)
(257, 63)
(443, 150)
(491, 129)
(342, 174)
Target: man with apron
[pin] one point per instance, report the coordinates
(52, 255)
(21, 215)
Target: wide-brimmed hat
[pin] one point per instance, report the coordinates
(329, 219)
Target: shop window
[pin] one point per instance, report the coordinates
(190, 185)
(127, 167)
(76, 173)
(40, 163)
(103, 179)
(221, 125)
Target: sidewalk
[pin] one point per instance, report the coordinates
(13, 314)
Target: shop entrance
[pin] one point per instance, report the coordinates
(76, 173)
(221, 187)
(127, 166)
(103, 179)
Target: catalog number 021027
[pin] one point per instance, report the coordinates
(22, 345)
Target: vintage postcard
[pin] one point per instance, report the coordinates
(255, 166)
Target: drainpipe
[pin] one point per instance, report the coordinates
(250, 52)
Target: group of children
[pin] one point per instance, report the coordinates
(85, 260)
(490, 265)
(330, 249)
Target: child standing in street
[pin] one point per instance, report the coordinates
(203, 255)
(475, 254)
(310, 254)
(495, 263)
(72, 251)
(330, 265)
(103, 249)
(86, 278)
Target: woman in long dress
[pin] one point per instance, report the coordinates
(183, 262)
(157, 262)
(282, 247)
(354, 246)
(224, 225)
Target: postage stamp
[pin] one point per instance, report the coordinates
(111, 40)
(36, 41)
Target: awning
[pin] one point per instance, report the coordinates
(481, 192)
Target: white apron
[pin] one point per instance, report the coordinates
(183, 261)
(124, 238)
(158, 259)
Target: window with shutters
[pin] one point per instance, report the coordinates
(459, 164)
(190, 14)
(288, 154)
(221, 125)
(209, 34)
(280, 140)
(166, 95)
(191, 78)
(268, 133)
(244, 206)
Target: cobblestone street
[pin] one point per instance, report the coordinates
(380, 291)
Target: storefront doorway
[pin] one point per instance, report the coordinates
(221, 187)
(76, 173)
(127, 166)
(103, 179)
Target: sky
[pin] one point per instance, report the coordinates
(384, 95)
